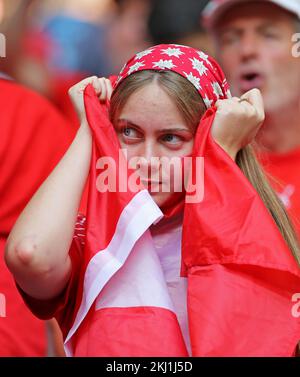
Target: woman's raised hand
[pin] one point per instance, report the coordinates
(103, 89)
(237, 121)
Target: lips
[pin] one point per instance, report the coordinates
(250, 80)
(149, 183)
(152, 185)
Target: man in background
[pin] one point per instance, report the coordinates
(255, 43)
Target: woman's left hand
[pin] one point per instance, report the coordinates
(237, 121)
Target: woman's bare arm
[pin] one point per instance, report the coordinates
(38, 245)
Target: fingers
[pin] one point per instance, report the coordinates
(103, 90)
(102, 87)
(109, 88)
(221, 102)
(96, 85)
(106, 89)
(255, 98)
(102, 94)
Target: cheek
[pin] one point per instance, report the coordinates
(173, 176)
(276, 57)
(131, 150)
(283, 72)
(229, 59)
(185, 150)
(280, 54)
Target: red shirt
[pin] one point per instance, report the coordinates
(285, 170)
(34, 137)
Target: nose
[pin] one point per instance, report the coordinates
(147, 160)
(248, 46)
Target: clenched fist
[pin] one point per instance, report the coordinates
(237, 121)
(103, 89)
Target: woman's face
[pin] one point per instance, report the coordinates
(155, 136)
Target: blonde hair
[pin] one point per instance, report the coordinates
(192, 107)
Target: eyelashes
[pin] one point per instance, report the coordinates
(131, 135)
(171, 138)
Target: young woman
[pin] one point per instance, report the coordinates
(158, 272)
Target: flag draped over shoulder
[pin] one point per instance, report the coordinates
(242, 278)
(120, 264)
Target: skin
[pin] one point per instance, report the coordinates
(256, 39)
(146, 133)
(161, 133)
(1, 11)
(38, 254)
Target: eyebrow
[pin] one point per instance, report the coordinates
(175, 129)
(239, 29)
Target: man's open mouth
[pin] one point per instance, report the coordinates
(250, 80)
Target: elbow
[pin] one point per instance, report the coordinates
(33, 271)
(22, 256)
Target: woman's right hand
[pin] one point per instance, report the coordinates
(103, 89)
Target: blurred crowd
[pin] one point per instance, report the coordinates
(53, 44)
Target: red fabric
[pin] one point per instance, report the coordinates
(203, 72)
(58, 88)
(242, 276)
(21, 334)
(113, 332)
(34, 136)
(97, 235)
(102, 333)
(284, 168)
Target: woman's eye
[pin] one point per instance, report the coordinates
(130, 135)
(130, 132)
(170, 138)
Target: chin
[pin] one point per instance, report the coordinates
(160, 198)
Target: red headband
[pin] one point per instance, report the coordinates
(200, 69)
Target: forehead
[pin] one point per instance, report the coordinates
(253, 13)
(151, 105)
(150, 94)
